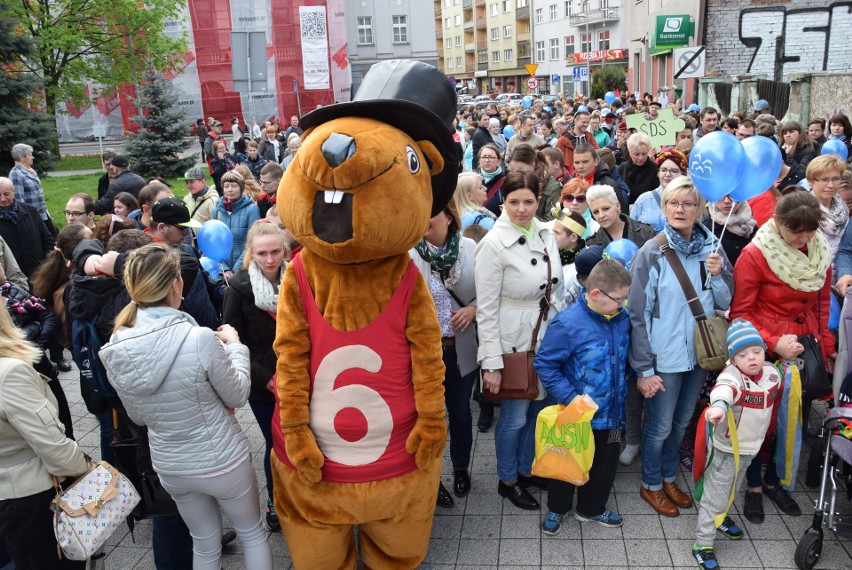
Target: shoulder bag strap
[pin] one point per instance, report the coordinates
(674, 262)
(545, 306)
(495, 188)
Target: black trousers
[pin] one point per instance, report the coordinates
(26, 532)
(591, 497)
(457, 391)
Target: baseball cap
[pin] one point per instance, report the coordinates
(195, 173)
(761, 105)
(586, 260)
(693, 108)
(120, 161)
(655, 104)
(174, 212)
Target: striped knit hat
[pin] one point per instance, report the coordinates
(742, 335)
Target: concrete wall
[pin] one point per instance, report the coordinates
(775, 38)
(829, 95)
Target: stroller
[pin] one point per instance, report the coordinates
(838, 450)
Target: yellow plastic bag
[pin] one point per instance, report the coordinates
(564, 444)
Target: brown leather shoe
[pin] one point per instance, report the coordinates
(678, 497)
(659, 501)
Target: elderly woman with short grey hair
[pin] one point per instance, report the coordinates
(614, 224)
(639, 173)
(28, 189)
(497, 136)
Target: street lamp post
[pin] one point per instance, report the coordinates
(588, 58)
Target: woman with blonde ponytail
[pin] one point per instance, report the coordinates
(35, 449)
(181, 381)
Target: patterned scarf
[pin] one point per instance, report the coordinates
(834, 218)
(12, 213)
(800, 271)
(741, 222)
(567, 256)
(443, 261)
(677, 241)
(265, 297)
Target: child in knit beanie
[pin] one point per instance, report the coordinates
(746, 392)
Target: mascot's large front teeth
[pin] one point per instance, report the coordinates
(333, 196)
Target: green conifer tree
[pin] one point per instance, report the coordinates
(155, 151)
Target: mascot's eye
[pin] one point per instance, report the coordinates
(413, 161)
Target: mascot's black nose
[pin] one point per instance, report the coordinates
(337, 149)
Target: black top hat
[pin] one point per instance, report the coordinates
(414, 97)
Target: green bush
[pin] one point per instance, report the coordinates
(608, 78)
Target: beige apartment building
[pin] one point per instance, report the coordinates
(484, 44)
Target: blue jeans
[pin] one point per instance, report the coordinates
(263, 414)
(514, 437)
(172, 543)
(753, 478)
(667, 415)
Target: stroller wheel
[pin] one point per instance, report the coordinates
(808, 551)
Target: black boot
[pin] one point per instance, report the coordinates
(486, 416)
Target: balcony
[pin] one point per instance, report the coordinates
(522, 13)
(468, 25)
(595, 16)
(524, 37)
(522, 61)
(471, 47)
(482, 43)
(481, 24)
(467, 4)
(482, 66)
(439, 33)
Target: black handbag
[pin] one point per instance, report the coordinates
(133, 460)
(816, 382)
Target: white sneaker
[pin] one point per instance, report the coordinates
(629, 455)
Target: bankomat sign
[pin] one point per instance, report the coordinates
(673, 30)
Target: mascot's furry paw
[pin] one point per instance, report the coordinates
(427, 440)
(304, 454)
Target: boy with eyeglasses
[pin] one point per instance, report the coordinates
(585, 352)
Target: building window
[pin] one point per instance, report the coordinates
(554, 49)
(569, 8)
(553, 12)
(495, 34)
(448, 22)
(522, 3)
(495, 56)
(458, 61)
(507, 31)
(539, 51)
(400, 29)
(458, 41)
(603, 40)
(495, 9)
(482, 56)
(539, 15)
(569, 45)
(508, 55)
(523, 49)
(586, 44)
(449, 43)
(449, 63)
(507, 5)
(458, 19)
(365, 30)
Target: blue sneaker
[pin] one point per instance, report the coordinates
(552, 523)
(607, 518)
(706, 557)
(730, 529)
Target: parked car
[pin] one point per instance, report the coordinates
(509, 97)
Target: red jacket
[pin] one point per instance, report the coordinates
(774, 307)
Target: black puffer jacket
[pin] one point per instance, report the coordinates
(256, 328)
(639, 179)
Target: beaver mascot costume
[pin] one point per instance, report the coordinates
(359, 427)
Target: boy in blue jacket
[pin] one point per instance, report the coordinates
(585, 352)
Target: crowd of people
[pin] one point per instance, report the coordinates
(524, 237)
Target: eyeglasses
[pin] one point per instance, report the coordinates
(267, 182)
(618, 302)
(687, 206)
(833, 180)
(487, 158)
(71, 214)
(579, 198)
(672, 171)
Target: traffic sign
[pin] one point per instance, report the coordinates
(532, 83)
(531, 67)
(689, 62)
(581, 73)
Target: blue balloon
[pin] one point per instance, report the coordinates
(582, 108)
(508, 131)
(717, 163)
(215, 240)
(210, 266)
(623, 250)
(835, 147)
(527, 102)
(609, 97)
(763, 163)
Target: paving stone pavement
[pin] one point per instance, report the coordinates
(484, 531)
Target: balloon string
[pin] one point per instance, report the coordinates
(721, 235)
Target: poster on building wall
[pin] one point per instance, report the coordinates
(312, 25)
(341, 72)
(253, 16)
(185, 83)
(77, 124)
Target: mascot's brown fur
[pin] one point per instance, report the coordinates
(355, 255)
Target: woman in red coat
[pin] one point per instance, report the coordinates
(782, 284)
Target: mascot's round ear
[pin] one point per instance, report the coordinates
(433, 157)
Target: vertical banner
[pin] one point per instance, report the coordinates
(341, 72)
(312, 24)
(259, 104)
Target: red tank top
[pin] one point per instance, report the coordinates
(362, 400)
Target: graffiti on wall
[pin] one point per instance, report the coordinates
(797, 40)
